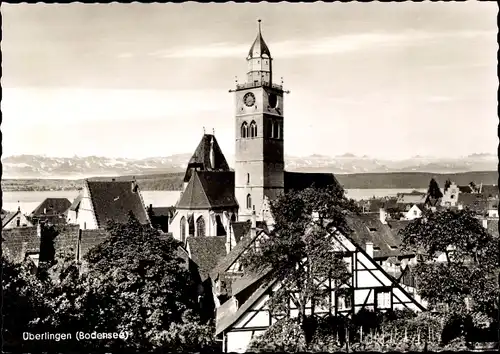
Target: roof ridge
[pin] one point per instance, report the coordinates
(138, 191)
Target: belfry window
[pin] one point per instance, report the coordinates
(270, 128)
(200, 227)
(244, 130)
(276, 130)
(253, 129)
(249, 201)
(248, 178)
(280, 131)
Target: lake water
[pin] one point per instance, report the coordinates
(29, 200)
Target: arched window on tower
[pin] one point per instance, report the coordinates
(200, 227)
(248, 178)
(183, 229)
(249, 201)
(244, 130)
(253, 129)
(281, 131)
(269, 129)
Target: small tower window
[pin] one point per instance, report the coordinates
(280, 132)
(253, 129)
(249, 201)
(18, 222)
(200, 227)
(244, 130)
(248, 178)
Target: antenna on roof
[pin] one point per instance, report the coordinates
(203, 130)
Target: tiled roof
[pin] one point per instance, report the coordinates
(6, 218)
(225, 263)
(76, 203)
(300, 180)
(113, 200)
(240, 229)
(493, 227)
(164, 211)
(412, 198)
(209, 190)
(474, 201)
(53, 206)
(208, 151)
(368, 227)
(226, 317)
(489, 190)
(206, 252)
(465, 189)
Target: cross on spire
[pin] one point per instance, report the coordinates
(259, 21)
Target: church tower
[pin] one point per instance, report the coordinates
(259, 157)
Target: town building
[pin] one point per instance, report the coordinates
(104, 201)
(51, 210)
(214, 196)
(14, 219)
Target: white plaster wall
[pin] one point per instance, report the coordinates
(86, 218)
(238, 342)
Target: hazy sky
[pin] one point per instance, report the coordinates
(389, 80)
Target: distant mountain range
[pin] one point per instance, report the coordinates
(36, 166)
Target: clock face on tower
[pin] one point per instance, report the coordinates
(249, 99)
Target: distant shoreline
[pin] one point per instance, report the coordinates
(173, 181)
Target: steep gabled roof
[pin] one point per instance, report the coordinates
(208, 156)
(301, 181)
(113, 200)
(489, 190)
(240, 229)
(52, 206)
(206, 252)
(209, 190)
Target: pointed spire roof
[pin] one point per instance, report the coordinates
(208, 156)
(259, 48)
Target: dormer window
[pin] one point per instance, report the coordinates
(373, 229)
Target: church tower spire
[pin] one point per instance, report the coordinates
(259, 157)
(259, 61)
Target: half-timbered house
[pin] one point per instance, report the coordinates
(246, 313)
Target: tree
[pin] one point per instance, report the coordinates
(470, 266)
(298, 251)
(434, 192)
(21, 303)
(135, 283)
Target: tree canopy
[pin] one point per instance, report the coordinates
(298, 250)
(434, 191)
(470, 264)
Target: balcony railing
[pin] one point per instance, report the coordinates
(258, 84)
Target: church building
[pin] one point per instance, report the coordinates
(214, 196)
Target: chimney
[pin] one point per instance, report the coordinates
(134, 186)
(485, 223)
(369, 248)
(383, 216)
